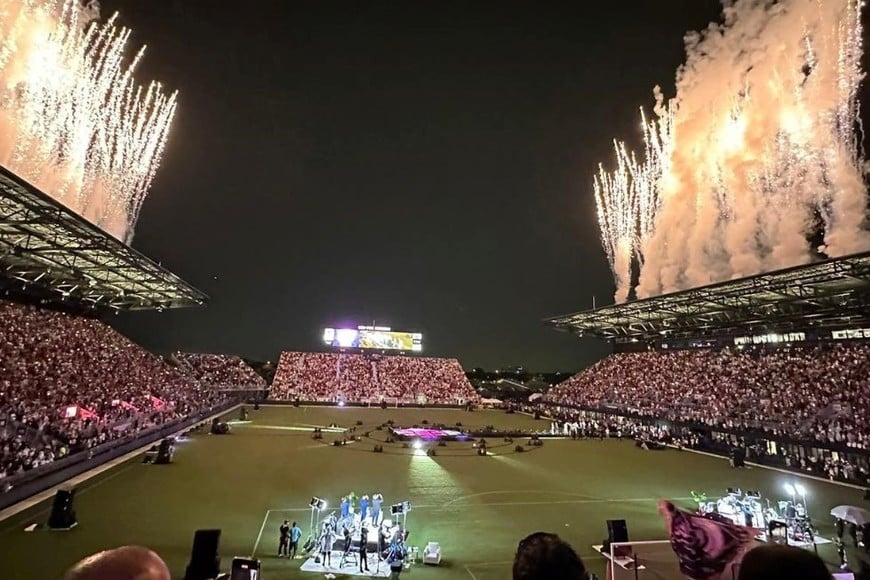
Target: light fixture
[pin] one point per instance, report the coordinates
(789, 489)
(802, 491)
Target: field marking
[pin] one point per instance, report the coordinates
(467, 569)
(81, 478)
(260, 535)
(292, 428)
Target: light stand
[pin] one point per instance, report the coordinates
(316, 504)
(802, 491)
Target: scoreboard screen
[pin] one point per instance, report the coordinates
(374, 338)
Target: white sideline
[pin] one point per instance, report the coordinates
(260, 535)
(33, 500)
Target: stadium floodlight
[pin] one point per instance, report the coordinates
(341, 403)
(801, 490)
(789, 489)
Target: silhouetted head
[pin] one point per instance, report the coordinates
(544, 556)
(124, 563)
(778, 562)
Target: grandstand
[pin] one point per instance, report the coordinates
(220, 371)
(772, 365)
(370, 379)
(75, 391)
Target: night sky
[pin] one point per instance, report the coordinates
(426, 165)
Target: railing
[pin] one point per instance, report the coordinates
(724, 441)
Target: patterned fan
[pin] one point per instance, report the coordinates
(705, 547)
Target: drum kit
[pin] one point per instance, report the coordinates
(747, 509)
(744, 509)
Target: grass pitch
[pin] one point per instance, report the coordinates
(478, 508)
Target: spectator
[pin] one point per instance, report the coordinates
(778, 562)
(125, 563)
(545, 556)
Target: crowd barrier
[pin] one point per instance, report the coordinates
(724, 441)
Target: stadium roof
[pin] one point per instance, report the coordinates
(834, 293)
(49, 250)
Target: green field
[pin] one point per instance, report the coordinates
(476, 507)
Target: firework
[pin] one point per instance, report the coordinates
(73, 119)
(760, 139)
(627, 199)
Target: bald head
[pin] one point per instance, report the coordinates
(125, 563)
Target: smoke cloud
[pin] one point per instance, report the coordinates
(758, 143)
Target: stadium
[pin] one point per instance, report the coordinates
(736, 408)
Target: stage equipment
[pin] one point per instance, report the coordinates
(245, 569)
(205, 562)
(219, 427)
(63, 517)
(777, 532)
(165, 452)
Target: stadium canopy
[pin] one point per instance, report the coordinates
(834, 293)
(48, 250)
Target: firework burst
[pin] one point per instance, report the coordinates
(761, 137)
(73, 119)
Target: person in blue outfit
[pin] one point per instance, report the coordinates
(295, 535)
(345, 507)
(377, 500)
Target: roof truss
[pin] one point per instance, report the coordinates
(47, 247)
(833, 293)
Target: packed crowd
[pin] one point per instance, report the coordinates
(333, 377)
(219, 370)
(819, 394)
(69, 383)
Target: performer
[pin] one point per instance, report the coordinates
(382, 540)
(345, 507)
(295, 535)
(347, 545)
(377, 500)
(363, 549)
(283, 540)
(326, 541)
(330, 521)
(363, 508)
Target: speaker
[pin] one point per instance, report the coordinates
(205, 562)
(62, 517)
(219, 428)
(617, 531)
(165, 452)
